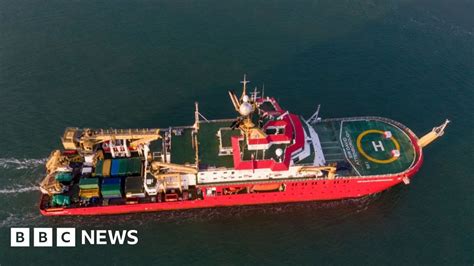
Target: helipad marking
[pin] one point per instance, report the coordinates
(378, 145)
(344, 149)
(372, 159)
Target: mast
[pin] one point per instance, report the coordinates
(244, 82)
(196, 116)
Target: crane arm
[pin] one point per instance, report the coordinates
(433, 135)
(234, 100)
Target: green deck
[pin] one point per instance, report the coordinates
(372, 154)
(227, 134)
(358, 145)
(182, 151)
(209, 145)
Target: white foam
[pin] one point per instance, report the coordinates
(14, 163)
(18, 190)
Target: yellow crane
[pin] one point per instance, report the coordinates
(433, 135)
(169, 174)
(157, 166)
(56, 160)
(49, 185)
(86, 139)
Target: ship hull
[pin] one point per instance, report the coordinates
(301, 190)
(296, 191)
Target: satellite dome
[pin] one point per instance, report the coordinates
(279, 152)
(245, 109)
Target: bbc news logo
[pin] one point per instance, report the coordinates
(66, 237)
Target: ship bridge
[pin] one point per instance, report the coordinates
(265, 141)
(281, 142)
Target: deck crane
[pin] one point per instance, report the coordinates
(86, 139)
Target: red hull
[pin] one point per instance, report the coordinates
(296, 191)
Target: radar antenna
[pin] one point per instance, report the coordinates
(244, 89)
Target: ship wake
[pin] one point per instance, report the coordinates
(19, 164)
(19, 189)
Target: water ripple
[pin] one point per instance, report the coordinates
(15, 190)
(19, 164)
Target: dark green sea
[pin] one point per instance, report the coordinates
(143, 63)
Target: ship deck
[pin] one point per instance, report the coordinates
(182, 151)
(357, 145)
(209, 144)
(362, 143)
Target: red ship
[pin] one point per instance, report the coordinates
(267, 155)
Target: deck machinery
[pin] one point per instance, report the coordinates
(265, 155)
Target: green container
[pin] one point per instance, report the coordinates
(89, 183)
(130, 166)
(134, 184)
(61, 200)
(63, 176)
(98, 168)
(111, 190)
(110, 187)
(123, 165)
(134, 166)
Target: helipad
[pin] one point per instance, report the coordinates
(375, 147)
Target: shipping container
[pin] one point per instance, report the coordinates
(60, 200)
(134, 187)
(106, 168)
(98, 168)
(63, 176)
(89, 183)
(114, 169)
(123, 165)
(112, 188)
(89, 193)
